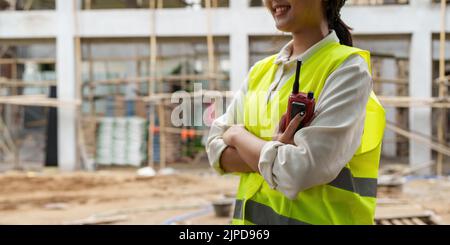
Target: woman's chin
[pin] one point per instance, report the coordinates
(283, 25)
(282, 28)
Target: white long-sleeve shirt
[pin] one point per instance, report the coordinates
(323, 148)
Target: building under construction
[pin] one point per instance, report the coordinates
(86, 84)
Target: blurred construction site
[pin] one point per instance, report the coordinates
(89, 90)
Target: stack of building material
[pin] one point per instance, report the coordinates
(121, 141)
(119, 154)
(136, 141)
(105, 141)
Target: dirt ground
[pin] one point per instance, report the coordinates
(429, 194)
(65, 198)
(118, 196)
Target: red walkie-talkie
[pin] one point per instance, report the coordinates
(300, 102)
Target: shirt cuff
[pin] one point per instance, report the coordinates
(214, 153)
(266, 161)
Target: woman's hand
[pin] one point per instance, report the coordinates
(246, 145)
(231, 133)
(287, 137)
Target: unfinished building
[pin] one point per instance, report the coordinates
(107, 71)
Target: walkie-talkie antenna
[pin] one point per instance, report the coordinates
(296, 87)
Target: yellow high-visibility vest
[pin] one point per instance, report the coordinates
(351, 197)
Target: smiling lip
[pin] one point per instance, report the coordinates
(280, 10)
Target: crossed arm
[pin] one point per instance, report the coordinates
(242, 153)
(243, 148)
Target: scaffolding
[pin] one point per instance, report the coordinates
(156, 101)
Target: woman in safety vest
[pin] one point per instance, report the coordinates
(326, 172)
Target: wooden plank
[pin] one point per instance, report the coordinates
(442, 116)
(402, 113)
(162, 136)
(24, 100)
(8, 144)
(80, 142)
(87, 4)
(407, 221)
(169, 78)
(406, 102)
(396, 222)
(14, 76)
(203, 93)
(417, 221)
(385, 222)
(91, 85)
(7, 139)
(4, 61)
(404, 82)
(153, 46)
(166, 57)
(401, 212)
(210, 44)
(22, 83)
(14, 92)
(419, 138)
(152, 71)
(78, 61)
(6, 151)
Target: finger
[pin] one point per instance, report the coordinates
(293, 125)
(276, 137)
(282, 124)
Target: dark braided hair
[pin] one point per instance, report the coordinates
(333, 14)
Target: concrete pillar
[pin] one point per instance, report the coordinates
(389, 71)
(65, 68)
(420, 85)
(239, 45)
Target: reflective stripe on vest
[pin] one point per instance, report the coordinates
(350, 197)
(260, 214)
(365, 187)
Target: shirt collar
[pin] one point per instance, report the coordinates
(286, 51)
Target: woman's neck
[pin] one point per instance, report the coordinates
(306, 38)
